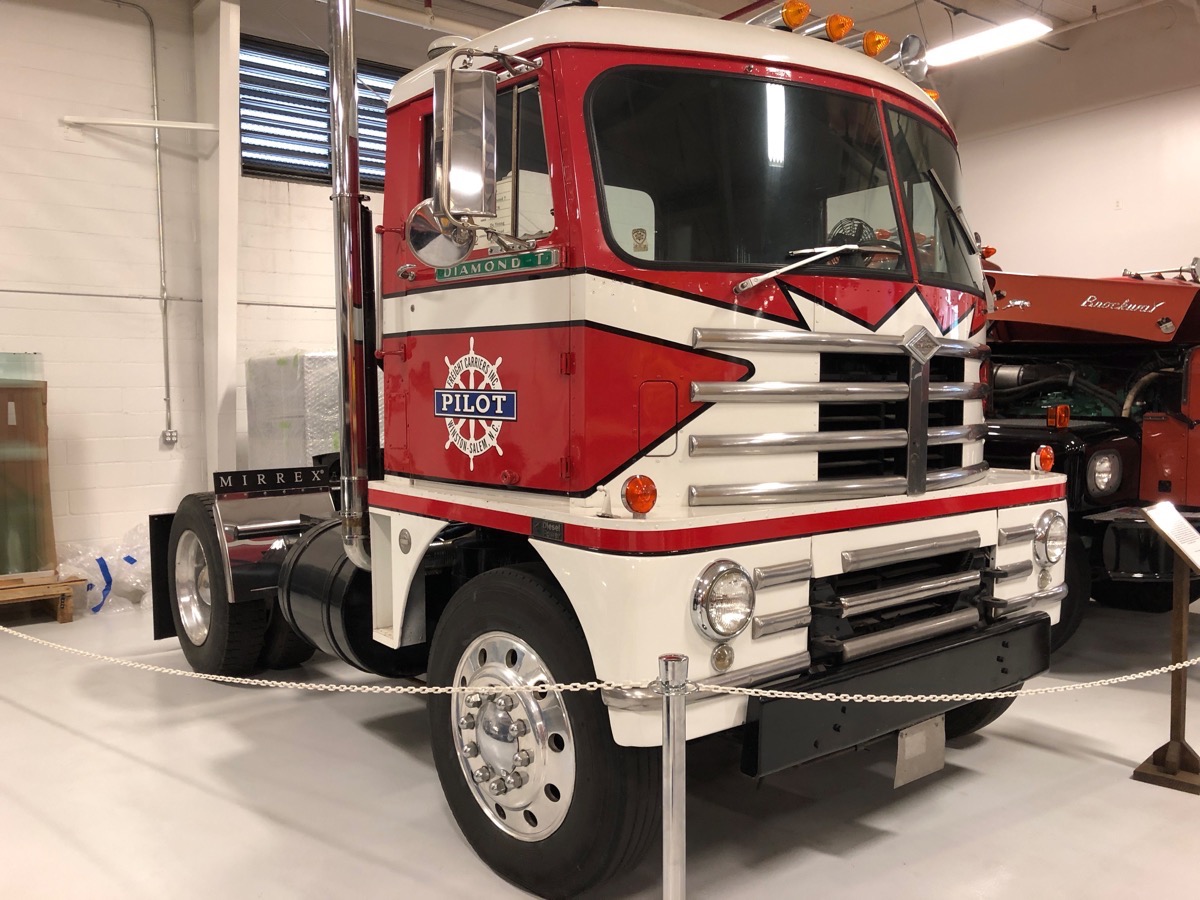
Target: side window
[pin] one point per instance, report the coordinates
(523, 203)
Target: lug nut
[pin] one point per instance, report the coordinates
(514, 781)
(471, 750)
(521, 758)
(498, 787)
(482, 774)
(505, 703)
(474, 701)
(518, 729)
(467, 722)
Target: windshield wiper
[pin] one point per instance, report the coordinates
(817, 254)
(956, 211)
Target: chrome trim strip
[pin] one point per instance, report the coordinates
(648, 698)
(832, 489)
(1015, 535)
(917, 548)
(807, 342)
(824, 391)
(804, 441)
(870, 644)
(777, 623)
(919, 394)
(258, 529)
(1003, 607)
(1016, 570)
(792, 391)
(886, 598)
(783, 573)
(957, 390)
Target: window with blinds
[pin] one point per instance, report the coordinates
(285, 112)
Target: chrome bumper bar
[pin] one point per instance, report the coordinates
(1001, 608)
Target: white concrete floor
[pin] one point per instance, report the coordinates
(116, 783)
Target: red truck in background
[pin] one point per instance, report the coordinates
(1106, 372)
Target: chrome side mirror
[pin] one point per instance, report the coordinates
(436, 239)
(464, 128)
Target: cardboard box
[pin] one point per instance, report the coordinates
(26, 519)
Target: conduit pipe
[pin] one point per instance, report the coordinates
(169, 435)
(1100, 17)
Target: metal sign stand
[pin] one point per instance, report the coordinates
(672, 681)
(1175, 764)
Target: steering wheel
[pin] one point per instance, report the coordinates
(851, 230)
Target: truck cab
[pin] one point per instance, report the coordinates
(680, 335)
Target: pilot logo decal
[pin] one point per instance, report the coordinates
(474, 404)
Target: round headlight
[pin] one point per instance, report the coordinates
(1103, 473)
(723, 600)
(1050, 540)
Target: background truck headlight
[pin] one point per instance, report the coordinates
(1050, 541)
(1103, 473)
(722, 600)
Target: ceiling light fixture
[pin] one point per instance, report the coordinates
(984, 43)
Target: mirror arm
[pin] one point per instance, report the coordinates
(509, 242)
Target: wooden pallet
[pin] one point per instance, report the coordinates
(59, 596)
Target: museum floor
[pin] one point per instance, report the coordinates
(116, 783)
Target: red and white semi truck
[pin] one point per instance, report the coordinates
(679, 330)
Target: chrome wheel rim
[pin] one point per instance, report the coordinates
(516, 749)
(192, 592)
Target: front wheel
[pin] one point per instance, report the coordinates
(535, 781)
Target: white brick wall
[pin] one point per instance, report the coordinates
(77, 214)
(286, 282)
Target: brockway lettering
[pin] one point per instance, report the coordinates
(1124, 306)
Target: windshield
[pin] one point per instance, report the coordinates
(930, 185)
(703, 169)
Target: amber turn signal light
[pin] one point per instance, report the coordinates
(1045, 458)
(794, 13)
(639, 494)
(1058, 416)
(987, 252)
(874, 42)
(934, 93)
(838, 26)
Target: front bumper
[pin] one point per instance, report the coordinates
(1131, 550)
(783, 733)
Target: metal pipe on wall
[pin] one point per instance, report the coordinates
(1100, 17)
(343, 103)
(169, 435)
(421, 20)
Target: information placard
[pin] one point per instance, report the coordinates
(1176, 531)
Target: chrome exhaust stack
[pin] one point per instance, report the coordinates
(348, 260)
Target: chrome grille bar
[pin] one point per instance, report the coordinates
(906, 551)
(828, 391)
(807, 342)
(898, 595)
(793, 391)
(804, 441)
(870, 644)
(833, 489)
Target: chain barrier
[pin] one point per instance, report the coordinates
(579, 686)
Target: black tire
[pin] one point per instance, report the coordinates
(614, 797)
(970, 718)
(283, 648)
(1079, 593)
(1155, 597)
(234, 636)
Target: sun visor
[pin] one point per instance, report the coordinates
(1036, 307)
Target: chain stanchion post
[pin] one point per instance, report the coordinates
(672, 681)
(1175, 764)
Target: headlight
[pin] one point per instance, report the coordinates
(1050, 540)
(723, 600)
(1103, 473)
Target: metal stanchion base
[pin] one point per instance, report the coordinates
(1174, 765)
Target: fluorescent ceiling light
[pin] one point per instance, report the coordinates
(983, 43)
